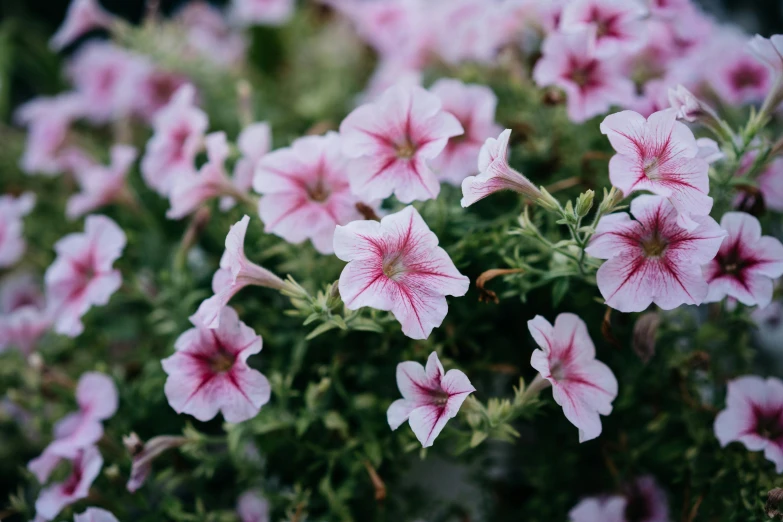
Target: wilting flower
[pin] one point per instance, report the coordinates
(592, 83)
(746, 262)
(178, 134)
(474, 107)
(23, 315)
(97, 398)
(582, 385)
(392, 139)
(653, 259)
(94, 514)
(618, 24)
(252, 507)
(82, 16)
(86, 465)
(144, 454)
(12, 210)
(495, 174)
(754, 417)
(305, 190)
(397, 265)
(235, 273)
(209, 373)
(254, 142)
(642, 501)
(431, 397)
(660, 155)
(768, 50)
(262, 12)
(82, 275)
(102, 185)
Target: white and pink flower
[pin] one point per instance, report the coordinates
(736, 75)
(262, 12)
(474, 107)
(660, 155)
(94, 514)
(397, 265)
(754, 417)
(85, 467)
(23, 315)
(653, 259)
(102, 185)
(82, 275)
(254, 142)
(431, 396)
(82, 16)
(209, 35)
(618, 24)
(209, 372)
(768, 50)
(12, 242)
(391, 141)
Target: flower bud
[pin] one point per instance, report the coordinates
(584, 203)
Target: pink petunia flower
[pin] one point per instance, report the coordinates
(102, 185)
(668, 8)
(82, 16)
(495, 174)
(737, 76)
(179, 132)
(687, 106)
(754, 417)
(745, 264)
(305, 190)
(262, 12)
(156, 90)
(254, 142)
(642, 501)
(82, 275)
(474, 107)
(618, 24)
(94, 514)
(582, 385)
(97, 398)
(209, 373)
(770, 182)
(659, 154)
(12, 243)
(653, 259)
(392, 139)
(387, 74)
(768, 50)
(208, 34)
(397, 265)
(467, 30)
(23, 316)
(252, 507)
(591, 83)
(431, 397)
(86, 466)
(235, 273)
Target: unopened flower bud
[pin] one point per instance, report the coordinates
(584, 203)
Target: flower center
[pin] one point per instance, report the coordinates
(557, 371)
(654, 246)
(769, 426)
(393, 267)
(637, 508)
(318, 192)
(652, 168)
(405, 150)
(439, 397)
(747, 75)
(221, 362)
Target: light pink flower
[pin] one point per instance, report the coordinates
(235, 273)
(618, 24)
(687, 106)
(305, 190)
(754, 417)
(94, 514)
(736, 76)
(388, 73)
(591, 83)
(23, 316)
(660, 155)
(431, 397)
(156, 90)
(709, 150)
(82, 275)
(582, 385)
(768, 50)
(18, 291)
(745, 264)
(209, 373)
(467, 30)
(668, 8)
(209, 35)
(770, 182)
(397, 265)
(102, 185)
(254, 142)
(653, 259)
(252, 507)
(82, 16)
(86, 466)
(12, 210)
(599, 509)
(263, 12)
(178, 134)
(474, 107)
(391, 141)
(495, 174)
(642, 501)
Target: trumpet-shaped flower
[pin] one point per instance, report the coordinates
(474, 107)
(431, 396)
(82, 16)
(659, 154)
(397, 265)
(618, 24)
(754, 417)
(254, 142)
(392, 139)
(82, 275)
(582, 385)
(209, 372)
(86, 465)
(687, 106)
(306, 192)
(592, 83)
(737, 76)
(768, 50)
(653, 259)
(235, 273)
(12, 243)
(262, 12)
(495, 174)
(102, 185)
(94, 514)
(746, 262)
(178, 135)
